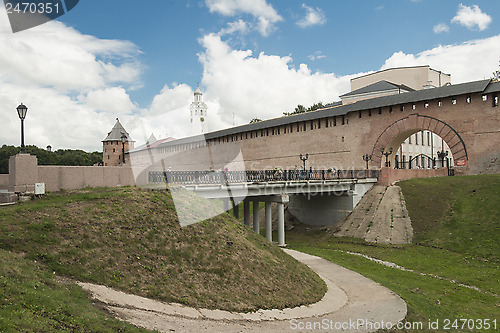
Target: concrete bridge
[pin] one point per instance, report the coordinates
(336, 193)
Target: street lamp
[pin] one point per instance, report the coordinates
(49, 149)
(124, 139)
(304, 159)
(21, 112)
(367, 158)
(386, 154)
(442, 154)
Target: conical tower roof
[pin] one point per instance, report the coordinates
(117, 132)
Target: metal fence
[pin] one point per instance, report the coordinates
(255, 176)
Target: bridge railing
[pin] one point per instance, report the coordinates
(255, 176)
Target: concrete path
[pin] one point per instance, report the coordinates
(351, 303)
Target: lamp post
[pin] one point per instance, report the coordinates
(49, 149)
(387, 154)
(367, 158)
(304, 159)
(21, 112)
(124, 139)
(442, 154)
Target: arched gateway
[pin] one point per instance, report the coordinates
(397, 132)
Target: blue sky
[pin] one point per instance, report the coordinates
(141, 61)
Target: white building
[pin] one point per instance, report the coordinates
(198, 113)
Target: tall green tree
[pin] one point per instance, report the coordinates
(58, 157)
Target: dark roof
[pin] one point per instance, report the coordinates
(372, 103)
(376, 87)
(117, 132)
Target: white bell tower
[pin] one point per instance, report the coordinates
(198, 112)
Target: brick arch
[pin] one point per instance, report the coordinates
(401, 129)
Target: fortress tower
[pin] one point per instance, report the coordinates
(112, 146)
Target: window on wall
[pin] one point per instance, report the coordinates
(440, 103)
(413, 106)
(359, 114)
(426, 105)
(428, 138)
(305, 126)
(335, 121)
(390, 109)
(369, 113)
(484, 97)
(401, 108)
(416, 138)
(422, 135)
(379, 110)
(312, 125)
(326, 122)
(453, 101)
(468, 99)
(319, 123)
(495, 100)
(409, 139)
(343, 120)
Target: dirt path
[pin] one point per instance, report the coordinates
(352, 302)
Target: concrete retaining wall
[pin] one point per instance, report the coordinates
(388, 176)
(57, 178)
(4, 182)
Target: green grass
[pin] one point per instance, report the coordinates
(455, 220)
(33, 299)
(130, 239)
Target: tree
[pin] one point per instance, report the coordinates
(58, 157)
(255, 120)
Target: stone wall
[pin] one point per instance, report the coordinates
(57, 178)
(389, 176)
(4, 182)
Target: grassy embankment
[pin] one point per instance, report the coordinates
(130, 239)
(456, 222)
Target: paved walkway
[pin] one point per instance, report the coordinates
(351, 301)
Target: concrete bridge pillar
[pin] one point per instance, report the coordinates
(256, 225)
(225, 204)
(236, 211)
(269, 223)
(281, 224)
(246, 212)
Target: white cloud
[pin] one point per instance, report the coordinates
(314, 16)
(265, 15)
(316, 55)
(71, 83)
(471, 17)
(262, 86)
(440, 28)
(113, 100)
(237, 26)
(473, 60)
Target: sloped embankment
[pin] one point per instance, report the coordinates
(380, 217)
(130, 239)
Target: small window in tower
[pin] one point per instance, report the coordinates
(440, 103)
(495, 100)
(484, 97)
(113, 150)
(401, 108)
(453, 101)
(468, 99)
(426, 105)
(413, 106)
